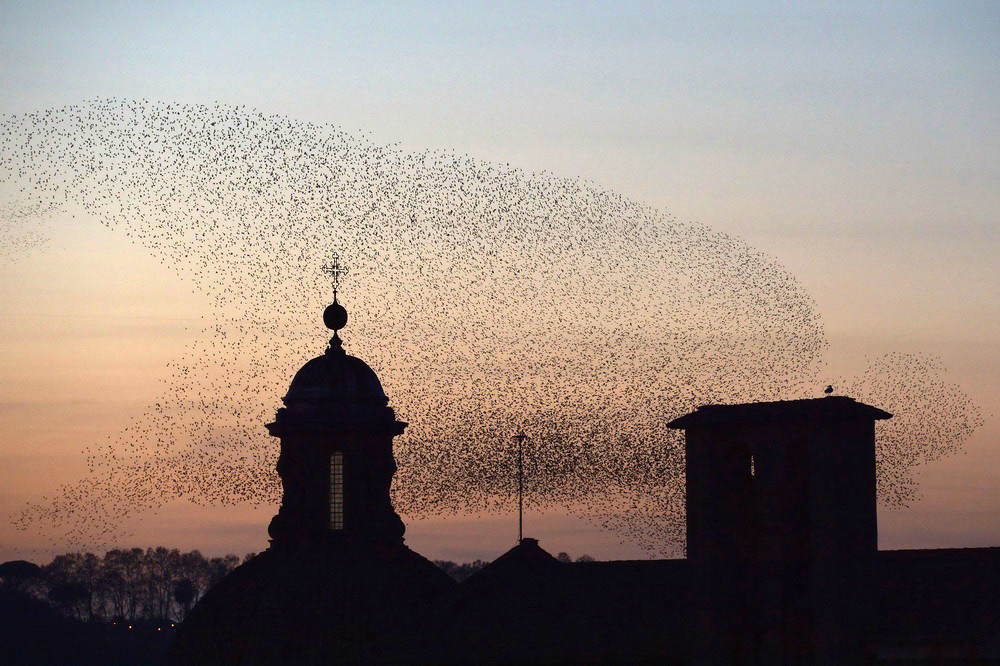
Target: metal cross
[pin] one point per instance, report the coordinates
(336, 271)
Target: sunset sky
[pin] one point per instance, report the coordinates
(856, 144)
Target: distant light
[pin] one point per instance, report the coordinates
(130, 626)
(159, 628)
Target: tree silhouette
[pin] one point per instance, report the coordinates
(132, 584)
(70, 597)
(16, 573)
(184, 594)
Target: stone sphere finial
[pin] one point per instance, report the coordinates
(335, 316)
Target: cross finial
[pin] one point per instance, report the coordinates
(336, 271)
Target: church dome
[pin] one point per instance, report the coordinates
(335, 377)
(334, 387)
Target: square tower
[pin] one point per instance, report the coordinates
(781, 529)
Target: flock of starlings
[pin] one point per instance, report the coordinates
(488, 300)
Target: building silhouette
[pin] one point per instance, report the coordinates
(780, 512)
(782, 568)
(337, 583)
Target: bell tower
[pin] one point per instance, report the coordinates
(336, 462)
(337, 585)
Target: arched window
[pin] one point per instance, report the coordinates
(337, 491)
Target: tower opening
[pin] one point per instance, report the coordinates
(337, 491)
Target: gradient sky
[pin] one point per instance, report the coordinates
(858, 144)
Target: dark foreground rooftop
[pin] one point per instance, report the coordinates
(933, 606)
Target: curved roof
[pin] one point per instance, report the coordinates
(335, 377)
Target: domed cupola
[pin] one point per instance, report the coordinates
(336, 462)
(337, 584)
(335, 385)
(335, 378)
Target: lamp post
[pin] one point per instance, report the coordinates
(520, 437)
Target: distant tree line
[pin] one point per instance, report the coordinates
(565, 558)
(460, 571)
(130, 585)
(153, 585)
